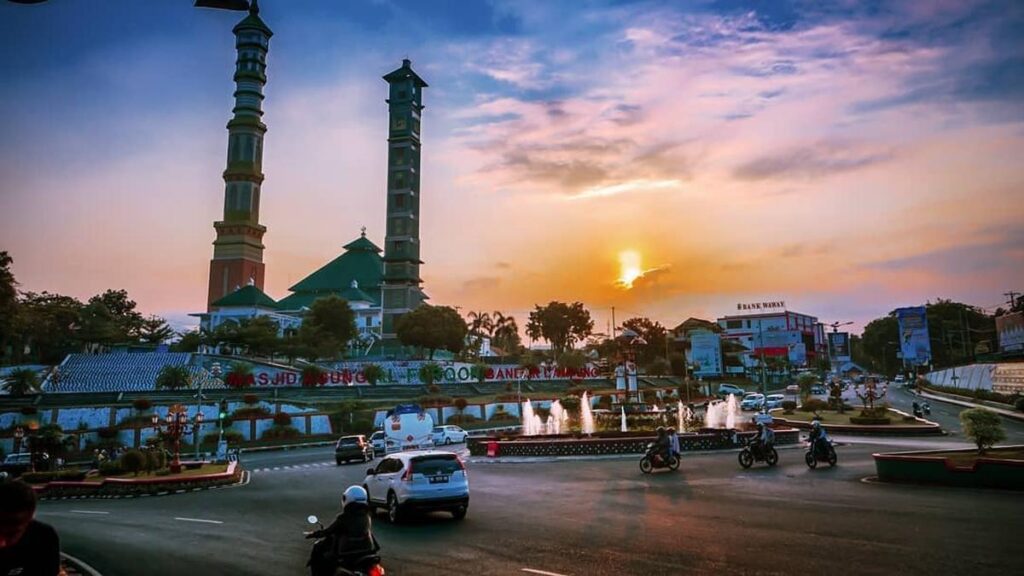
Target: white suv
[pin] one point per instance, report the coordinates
(421, 480)
(449, 434)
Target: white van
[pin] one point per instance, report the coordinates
(408, 427)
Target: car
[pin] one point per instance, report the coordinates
(16, 464)
(449, 434)
(730, 389)
(774, 401)
(355, 447)
(418, 481)
(818, 390)
(377, 441)
(752, 402)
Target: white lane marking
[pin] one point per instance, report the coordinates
(88, 512)
(532, 571)
(199, 520)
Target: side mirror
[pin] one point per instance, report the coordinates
(371, 472)
(312, 519)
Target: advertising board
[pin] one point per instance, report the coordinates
(915, 346)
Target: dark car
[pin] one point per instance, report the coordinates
(15, 465)
(353, 448)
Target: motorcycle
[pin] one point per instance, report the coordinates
(817, 454)
(653, 459)
(754, 452)
(918, 411)
(323, 562)
(926, 408)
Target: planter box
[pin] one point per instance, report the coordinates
(933, 467)
(615, 443)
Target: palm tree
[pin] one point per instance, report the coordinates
(174, 377)
(506, 332)
(480, 323)
(21, 382)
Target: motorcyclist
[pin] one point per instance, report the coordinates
(673, 441)
(818, 437)
(348, 538)
(764, 438)
(663, 446)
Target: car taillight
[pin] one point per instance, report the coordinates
(377, 570)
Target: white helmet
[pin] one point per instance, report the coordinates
(815, 424)
(353, 494)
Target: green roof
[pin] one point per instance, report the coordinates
(405, 72)
(354, 294)
(361, 263)
(253, 20)
(246, 297)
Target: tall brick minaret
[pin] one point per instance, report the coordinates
(238, 249)
(401, 287)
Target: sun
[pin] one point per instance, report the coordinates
(629, 268)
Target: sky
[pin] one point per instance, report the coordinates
(668, 159)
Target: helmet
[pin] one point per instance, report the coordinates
(671, 430)
(815, 424)
(353, 494)
(660, 430)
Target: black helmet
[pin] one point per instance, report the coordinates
(660, 430)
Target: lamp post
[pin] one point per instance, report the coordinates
(19, 435)
(175, 425)
(216, 371)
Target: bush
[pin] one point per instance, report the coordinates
(62, 475)
(576, 391)
(982, 426)
(813, 405)
(460, 404)
(280, 432)
(788, 406)
(434, 389)
(434, 401)
(163, 472)
(570, 403)
(249, 412)
(111, 468)
(133, 461)
(282, 419)
(462, 419)
(142, 404)
(251, 399)
(155, 460)
(232, 437)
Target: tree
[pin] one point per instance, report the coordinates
(313, 376)
(982, 426)
(677, 363)
(479, 371)
(259, 335)
(328, 327)
(433, 328)
(430, 373)
(154, 330)
(654, 334)
(460, 404)
(174, 377)
(805, 381)
(373, 373)
(8, 302)
(133, 461)
(506, 333)
(658, 367)
(560, 324)
(46, 325)
(110, 318)
(573, 360)
(189, 342)
(21, 382)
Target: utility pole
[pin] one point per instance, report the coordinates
(1012, 298)
(613, 323)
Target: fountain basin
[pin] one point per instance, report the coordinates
(606, 443)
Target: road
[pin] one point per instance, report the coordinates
(597, 517)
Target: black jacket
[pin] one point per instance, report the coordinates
(351, 532)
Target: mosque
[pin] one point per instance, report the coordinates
(379, 285)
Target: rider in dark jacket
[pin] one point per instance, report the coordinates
(349, 538)
(663, 445)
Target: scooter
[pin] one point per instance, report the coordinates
(754, 452)
(323, 563)
(653, 459)
(827, 453)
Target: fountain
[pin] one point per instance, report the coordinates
(558, 421)
(683, 416)
(586, 415)
(624, 429)
(532, 424)
(723, 414)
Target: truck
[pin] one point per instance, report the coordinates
(408, 427)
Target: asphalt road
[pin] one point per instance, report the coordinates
(596, 517)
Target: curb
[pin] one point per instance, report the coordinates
(287, 446)
(75, 567)
(943, 398)
(598, 457)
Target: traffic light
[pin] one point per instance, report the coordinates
(223, 412)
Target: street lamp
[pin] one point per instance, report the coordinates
(175, 425)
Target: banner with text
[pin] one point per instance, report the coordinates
(915, 346)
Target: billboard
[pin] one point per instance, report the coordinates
(915, 347)
(839, 346)
(706, 353)
(1010, 328)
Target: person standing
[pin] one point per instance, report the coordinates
(27, 547)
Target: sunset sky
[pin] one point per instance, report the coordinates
(667, 158)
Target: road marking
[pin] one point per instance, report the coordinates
(199, 520)
(89, 512)
(532, 571)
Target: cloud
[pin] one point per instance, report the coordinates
(811, 162)
(481, 284)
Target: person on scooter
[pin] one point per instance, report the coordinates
(673, 442)
(662, 446)
(348, 538)
(818, 438)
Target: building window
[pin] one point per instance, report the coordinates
(399, 180)
(400, 201)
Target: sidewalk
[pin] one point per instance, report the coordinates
(1011, 414)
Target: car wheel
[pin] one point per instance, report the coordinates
(337, 461)
(746, 458)
(772, 457)
(459, 512)
(447, 441)
(394, 509)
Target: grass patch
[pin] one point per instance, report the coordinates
(203, 470)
